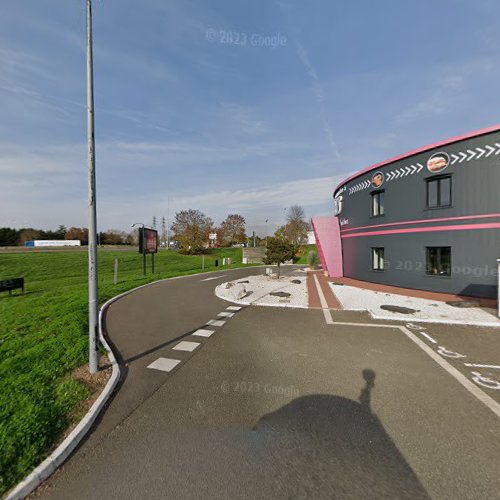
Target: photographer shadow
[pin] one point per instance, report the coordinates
(325, 446)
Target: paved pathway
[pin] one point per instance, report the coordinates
(276, 403)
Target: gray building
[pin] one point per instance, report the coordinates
(429, 219)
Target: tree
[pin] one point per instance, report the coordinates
(296, 228)
(28, 234)
(78, 233)
(191, 229)
(8, 237)
(278, 251)
(233, 229)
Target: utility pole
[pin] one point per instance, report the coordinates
(92, 273)
(168, 223)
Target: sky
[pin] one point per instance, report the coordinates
(229, 106)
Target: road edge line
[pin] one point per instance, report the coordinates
(324, 304)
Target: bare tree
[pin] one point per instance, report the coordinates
(233, 229)
(191, 229)
(296, 228)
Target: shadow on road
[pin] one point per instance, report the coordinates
(327, 446)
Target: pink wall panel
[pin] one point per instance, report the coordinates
(327, 233)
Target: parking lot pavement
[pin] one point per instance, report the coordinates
(278, 404)
(474, 351)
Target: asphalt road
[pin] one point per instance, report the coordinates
(278, 404)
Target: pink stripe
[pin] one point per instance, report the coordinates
(440, 144)
(420, 221)
(429, 229)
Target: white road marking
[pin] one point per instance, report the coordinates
(476, 365)
(412, 326)
(324, 304)
(428, 337)
(185, 345)
(225, 314)
(233, 308)
(201, 332)
(449, 354)
(375, 325)
(216, 322)
(489, 383)
(214, 278)
(164, 364)
(461, 379)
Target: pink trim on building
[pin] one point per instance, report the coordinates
(421, 221)
(440, 144)
(427, 229)
(327, 233)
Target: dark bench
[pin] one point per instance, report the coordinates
(13, 284)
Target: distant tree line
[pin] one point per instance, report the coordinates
(18, 237)
(191, 230)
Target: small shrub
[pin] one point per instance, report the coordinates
(312, 259)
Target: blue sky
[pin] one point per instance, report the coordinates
(194, 109)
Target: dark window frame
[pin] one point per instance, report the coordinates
(439, 267)
(378, 268)
(378, 192)
(437, 179)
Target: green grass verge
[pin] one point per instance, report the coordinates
(43, 337)
(303, 252)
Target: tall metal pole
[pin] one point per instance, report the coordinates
(168, 223)
(93, 290)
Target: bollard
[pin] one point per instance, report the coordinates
(115, 279)
(216, 262)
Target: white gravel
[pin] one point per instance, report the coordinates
(261, 286)
(429, 311)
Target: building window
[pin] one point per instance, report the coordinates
(439, 192)
(378, 203)
(377, 259)
(439, 261)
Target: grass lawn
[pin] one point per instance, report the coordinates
(43, 337)
(303, 252)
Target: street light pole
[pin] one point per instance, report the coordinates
(92, 273)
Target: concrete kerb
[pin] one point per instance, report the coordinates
(64, 450)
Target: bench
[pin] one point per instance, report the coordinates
(13, 284)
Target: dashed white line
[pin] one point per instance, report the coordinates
(224, 314)
(164, 364)
(216, 322)
(185, 345)
(233, 308)
(476, 365)
(428, 337)
(201, 332)
(214, 278)
(324, 304)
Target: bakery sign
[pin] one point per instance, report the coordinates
(438, 162)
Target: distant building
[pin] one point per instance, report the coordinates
(53, 243)
(311, 239)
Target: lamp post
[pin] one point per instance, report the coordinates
(92, 272)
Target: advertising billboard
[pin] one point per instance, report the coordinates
(148, 240)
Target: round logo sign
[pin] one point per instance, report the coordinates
(438, 162)
(377, 179)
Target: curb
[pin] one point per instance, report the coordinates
(64, 450)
